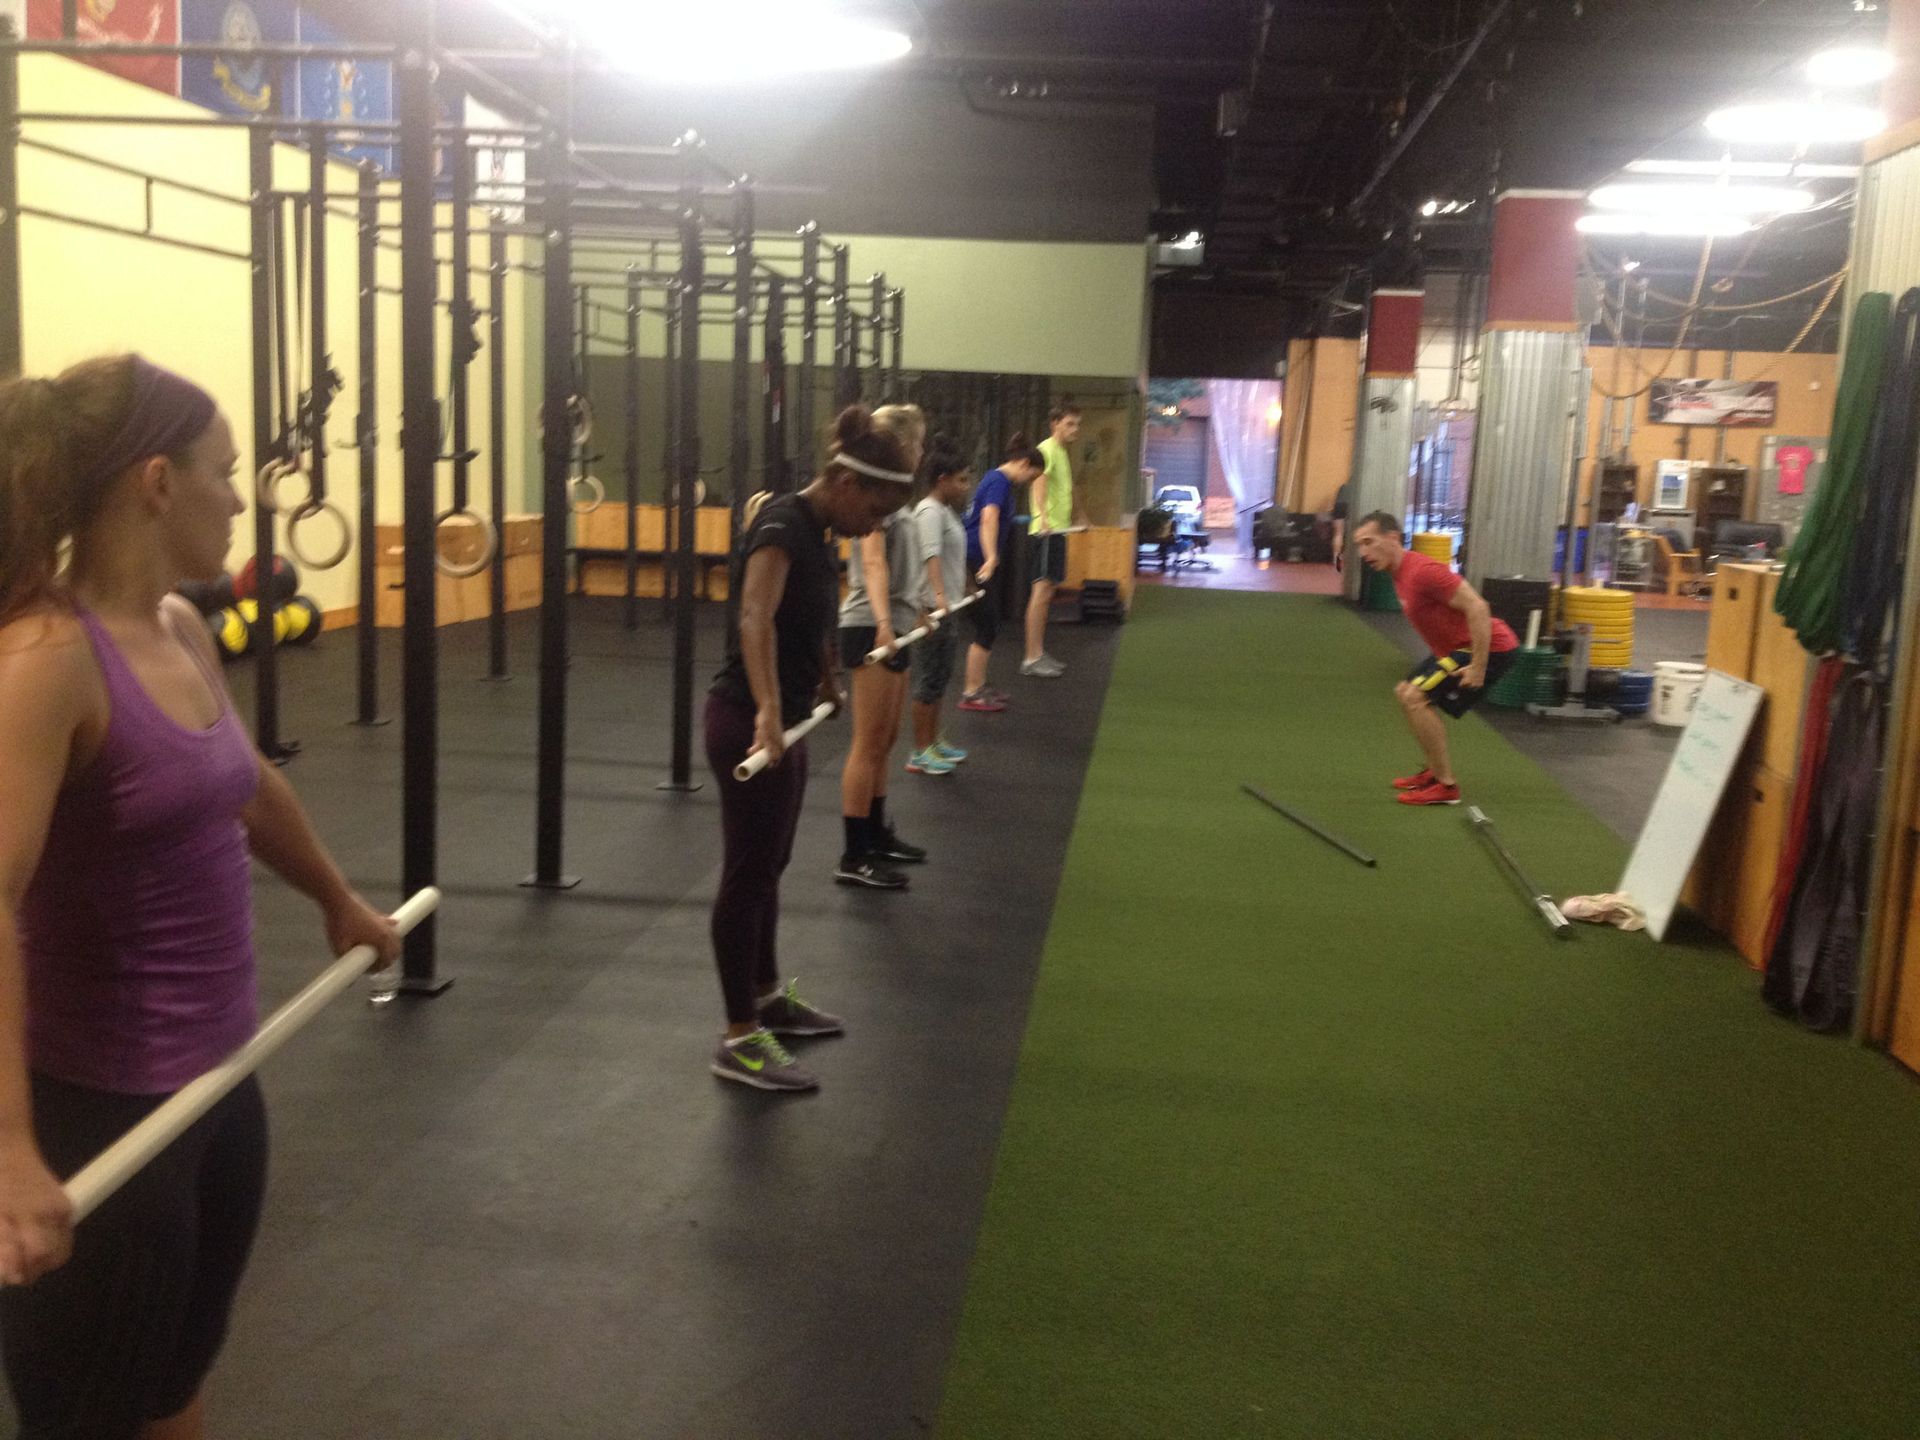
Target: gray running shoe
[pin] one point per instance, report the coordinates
(1045, 668)
(761, 1061)
(787, 1014)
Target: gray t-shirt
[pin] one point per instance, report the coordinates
(941, 536)
(903, 591)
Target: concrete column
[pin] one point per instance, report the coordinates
(1533, 350)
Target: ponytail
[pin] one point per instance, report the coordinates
(47, 429)
(1021, 450)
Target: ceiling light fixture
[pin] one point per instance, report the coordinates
(1797, 122)
(1743, 169)
(1705, 199)
(1848, 66)
(1673, 223)
(734, 42)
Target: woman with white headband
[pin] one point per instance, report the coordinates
(880, 607)
(779, 665)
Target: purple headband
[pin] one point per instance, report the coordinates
(169, 412)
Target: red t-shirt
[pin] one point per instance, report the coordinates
(1426, 589)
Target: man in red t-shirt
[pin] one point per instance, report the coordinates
(1471, 650)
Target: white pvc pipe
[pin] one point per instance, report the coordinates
(123, 1159)
(887, 652)
(757, 761)
(1533, 629)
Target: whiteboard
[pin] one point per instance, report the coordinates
(1696, 779)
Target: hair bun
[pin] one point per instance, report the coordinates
(855, 421)
(1019, 441)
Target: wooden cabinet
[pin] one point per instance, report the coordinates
(1733, 882)
(1905, 1040)
(1736, 611)
(1781, 668)
(1104, 552)
(1615, 487)
(1719, 494)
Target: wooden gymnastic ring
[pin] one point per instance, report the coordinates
(599, 494)
(272, 475)
(487, 551)
(331, 558)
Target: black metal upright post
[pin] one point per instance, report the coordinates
(846, 380)
(896, 342)
(804, 419)
(497, 441)
(632, 599)
(553, 167)
(318, 402)
(461, 342)
(686, 477)
(777, 475)
(740, 457)
(419, 446)
(366, 437)
(669, 446)
(266, 441)
(877, 332)
(12, 338)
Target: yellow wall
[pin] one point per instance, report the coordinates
(1806, 408)
(988, 306)
(86, 292)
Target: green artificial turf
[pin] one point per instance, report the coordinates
(1299, 1148)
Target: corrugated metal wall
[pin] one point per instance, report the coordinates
(1886, 232)
(1524, 454)
(1382, 456)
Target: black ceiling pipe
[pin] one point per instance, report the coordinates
(1407, 136)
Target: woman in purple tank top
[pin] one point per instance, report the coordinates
(131, 806)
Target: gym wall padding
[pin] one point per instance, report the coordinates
(86, 292)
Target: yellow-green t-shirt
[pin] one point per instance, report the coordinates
(1059, 514)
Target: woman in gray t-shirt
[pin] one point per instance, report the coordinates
(882, 604)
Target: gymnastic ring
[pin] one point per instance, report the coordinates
(487, 551)
(329, 559)
(580, 419)
(598, 490)
(272, 475)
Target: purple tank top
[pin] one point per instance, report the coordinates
(137, 928)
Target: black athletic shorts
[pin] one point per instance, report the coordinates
(984, 613)
(857, 642)
(1047, 558)
(126, 1331)
(1440, 678)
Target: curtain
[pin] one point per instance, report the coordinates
(1246, 435)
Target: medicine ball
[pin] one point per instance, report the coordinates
(209, 597)
(232, 635)
(298, 622)
(286, 581)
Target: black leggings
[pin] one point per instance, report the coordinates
(758, 820)
(126, 1331)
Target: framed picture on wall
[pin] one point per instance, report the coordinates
(1713, 402)
(1672, 485)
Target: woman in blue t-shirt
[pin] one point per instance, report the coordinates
(989, 541)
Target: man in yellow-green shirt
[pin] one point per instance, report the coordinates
(1051, 505)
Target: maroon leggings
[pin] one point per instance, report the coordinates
(758, 818)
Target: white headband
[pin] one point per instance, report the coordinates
(860, 467)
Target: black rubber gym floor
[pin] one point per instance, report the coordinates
(526, 1208)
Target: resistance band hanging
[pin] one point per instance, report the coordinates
(1872, 581)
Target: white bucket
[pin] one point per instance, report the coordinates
(1676, 687)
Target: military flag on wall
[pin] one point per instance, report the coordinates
(238, 84)
(142, 22)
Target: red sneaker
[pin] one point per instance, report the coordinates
(1414, 782)
(985, 703)
(1433, 794)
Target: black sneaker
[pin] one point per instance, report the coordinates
(761, 1061)
(869, 873)
(787, 1014)
(892, 847)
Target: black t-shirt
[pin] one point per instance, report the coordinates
(807, 611)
